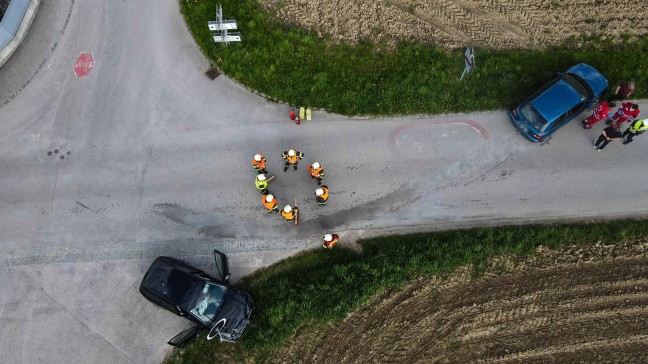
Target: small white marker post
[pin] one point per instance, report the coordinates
(469, 58)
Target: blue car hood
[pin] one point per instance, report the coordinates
(594, 78)
(556, 101)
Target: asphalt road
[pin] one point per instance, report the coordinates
(159, 164)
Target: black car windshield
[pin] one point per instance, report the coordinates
(208, 302)
(536, 120)
(577, 84)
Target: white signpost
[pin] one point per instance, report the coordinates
(220, 27)
(469, 58)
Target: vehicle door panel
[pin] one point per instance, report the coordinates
(222, 266)
(185, 337)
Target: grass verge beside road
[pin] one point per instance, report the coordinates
(320, 286)
(293, 65)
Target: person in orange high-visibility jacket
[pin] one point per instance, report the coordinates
(259, 163)
(292, 157)
(330, 240)
(289, 213)
(321, 195)
(270, 203)
(316, 171)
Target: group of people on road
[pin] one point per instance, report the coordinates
(627, 112)
(292, 158)
(290, 213)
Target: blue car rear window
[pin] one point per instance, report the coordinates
(531, 115)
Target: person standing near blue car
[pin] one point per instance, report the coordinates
(609, 134)
(638, 127)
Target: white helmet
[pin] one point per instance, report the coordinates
(291, 152)
(319, 192)
(269, 198)
(287, 209)
(257, 157)
(261, 177)
(316, 165)
(328, 237)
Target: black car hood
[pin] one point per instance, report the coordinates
(236, 311)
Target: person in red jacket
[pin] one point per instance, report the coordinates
(330, 240)
(601, 111)
(627, 112)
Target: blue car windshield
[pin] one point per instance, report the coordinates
(536, 120)
(208, 302)
(583, 91)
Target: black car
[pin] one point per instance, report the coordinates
(191, 293)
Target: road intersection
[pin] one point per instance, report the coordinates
(159, 164)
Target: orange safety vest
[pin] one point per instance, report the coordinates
(316, 172)
(288, 215)
(269, 205)
(259, 165)
(324, 196)
(292, 160)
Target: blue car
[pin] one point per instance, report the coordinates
(559, 101)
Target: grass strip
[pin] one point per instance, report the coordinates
(325, 285)
(295, 66)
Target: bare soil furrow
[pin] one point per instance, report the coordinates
(586, 328)
(493, 24)
(581, 304)
(444, 30)
(624, 350)
(474, 327)
(546, 279)
(482, 316)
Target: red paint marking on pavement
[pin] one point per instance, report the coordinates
(83, 65)
(476, 126)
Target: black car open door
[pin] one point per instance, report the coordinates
(185, 337)
(221, 266)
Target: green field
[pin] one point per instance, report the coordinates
(297, 67)
(319, 286)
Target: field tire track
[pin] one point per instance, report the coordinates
(562, 307)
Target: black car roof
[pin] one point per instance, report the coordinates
(167, 280)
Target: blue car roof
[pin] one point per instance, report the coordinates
(594, 78)
(556, 101)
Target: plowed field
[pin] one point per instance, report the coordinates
(494, 24)
(585, 305)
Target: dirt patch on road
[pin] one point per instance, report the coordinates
(494, 24)
(575, 305)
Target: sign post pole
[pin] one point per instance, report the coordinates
(469, 59)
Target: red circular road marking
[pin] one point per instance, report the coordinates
(83, 65)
